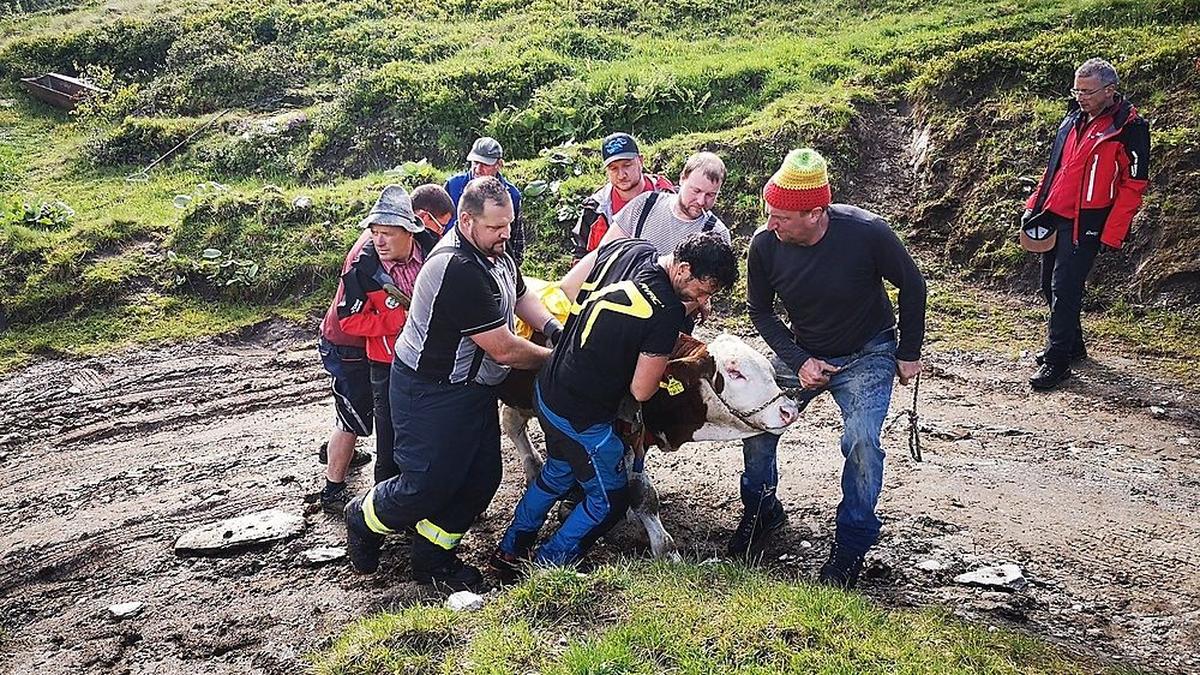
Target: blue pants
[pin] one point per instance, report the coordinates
(594, 457)
(862, 390)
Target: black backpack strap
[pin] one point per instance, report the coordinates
(709, 223)
(641, 221)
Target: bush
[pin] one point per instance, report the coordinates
(137, 140)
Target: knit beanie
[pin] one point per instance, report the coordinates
(801, 183)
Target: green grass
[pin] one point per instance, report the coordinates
(643, 617)
(377, 85)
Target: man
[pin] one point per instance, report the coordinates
(457, 344)
(617, 342)
(487, 159)
(826, 263)
(665, 219)
(1098, 171)
(375, 290)
(625, 168)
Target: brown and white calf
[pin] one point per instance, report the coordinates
(722, 391)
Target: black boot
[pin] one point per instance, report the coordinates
(362, 545)
(841, 569)
(1049, 376)
(441, 568)
(1078, 353)
(754, 529)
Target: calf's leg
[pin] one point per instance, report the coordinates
(643, 505)
(515, 424)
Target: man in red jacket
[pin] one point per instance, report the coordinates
(1098, 171)
(625, 168)
(370, 306)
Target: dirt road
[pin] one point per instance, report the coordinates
(106, 461)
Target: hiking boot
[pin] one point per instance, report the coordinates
(334, 503)
(362, 545)
(1049, 376)
(841, 569)
(754, 530)
(509, 567)
(359, 458)
(452, 575)
(1079, 353)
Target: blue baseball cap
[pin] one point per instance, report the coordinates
(618, 146)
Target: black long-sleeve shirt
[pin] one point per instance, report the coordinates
(833, 291)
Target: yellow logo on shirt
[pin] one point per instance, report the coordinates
(637, 307)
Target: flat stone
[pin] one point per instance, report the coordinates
(1158, 411)
(323, 554)
(465, 601)
(1007, 576)
(125, 610)
(930, 565)
(254, 528)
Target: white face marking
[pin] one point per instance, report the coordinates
(749, 382)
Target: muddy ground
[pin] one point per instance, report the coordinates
(106, 461)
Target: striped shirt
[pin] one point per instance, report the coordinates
(662, 227)
(459, 292)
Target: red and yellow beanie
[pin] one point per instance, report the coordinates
(801, 183)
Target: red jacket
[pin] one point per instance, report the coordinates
(1098, 171)
(331, 327)
(599, 209)
(366, 308)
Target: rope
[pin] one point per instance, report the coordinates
(914, 430)
(143, 175)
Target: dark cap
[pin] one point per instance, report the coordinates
(618, 146)
(486, 150)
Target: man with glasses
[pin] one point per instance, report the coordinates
(1093, 186)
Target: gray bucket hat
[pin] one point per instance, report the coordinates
(394, 208)
(486, 150)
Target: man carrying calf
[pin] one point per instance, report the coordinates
(826, 263)
(617, 341)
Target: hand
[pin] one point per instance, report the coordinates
(907, 370)
(1026, 216)
(815, 373)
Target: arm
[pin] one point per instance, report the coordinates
(760, 301)
(1133, 177)
(897, 266)
(646, 375)
(577, 275)
(510, 350)
(533, 312)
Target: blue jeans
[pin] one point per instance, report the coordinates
(862, 390)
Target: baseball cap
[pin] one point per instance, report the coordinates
(1038, 235)
(393, 208)
(618, 146)
(486, 150)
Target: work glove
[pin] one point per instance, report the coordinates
(553, 331)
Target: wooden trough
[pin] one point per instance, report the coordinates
(60, 91)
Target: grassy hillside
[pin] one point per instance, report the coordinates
(327, 101)
(659, 618)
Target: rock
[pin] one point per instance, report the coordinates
(804, 543)
(255, 528)
(465, 601)
(125, 610)
(930, 566)
(1007, 577)
(322, 554)
(1183, 440)
(1158, 411)
(302, 202)
(75, 391)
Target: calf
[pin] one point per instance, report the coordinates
(722, 391)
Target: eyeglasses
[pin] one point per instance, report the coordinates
(1088, 92)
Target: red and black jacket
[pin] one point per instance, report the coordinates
(366, 309)
(1113, 152)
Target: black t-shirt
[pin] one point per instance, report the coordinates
(833, 291)
(627, 307)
